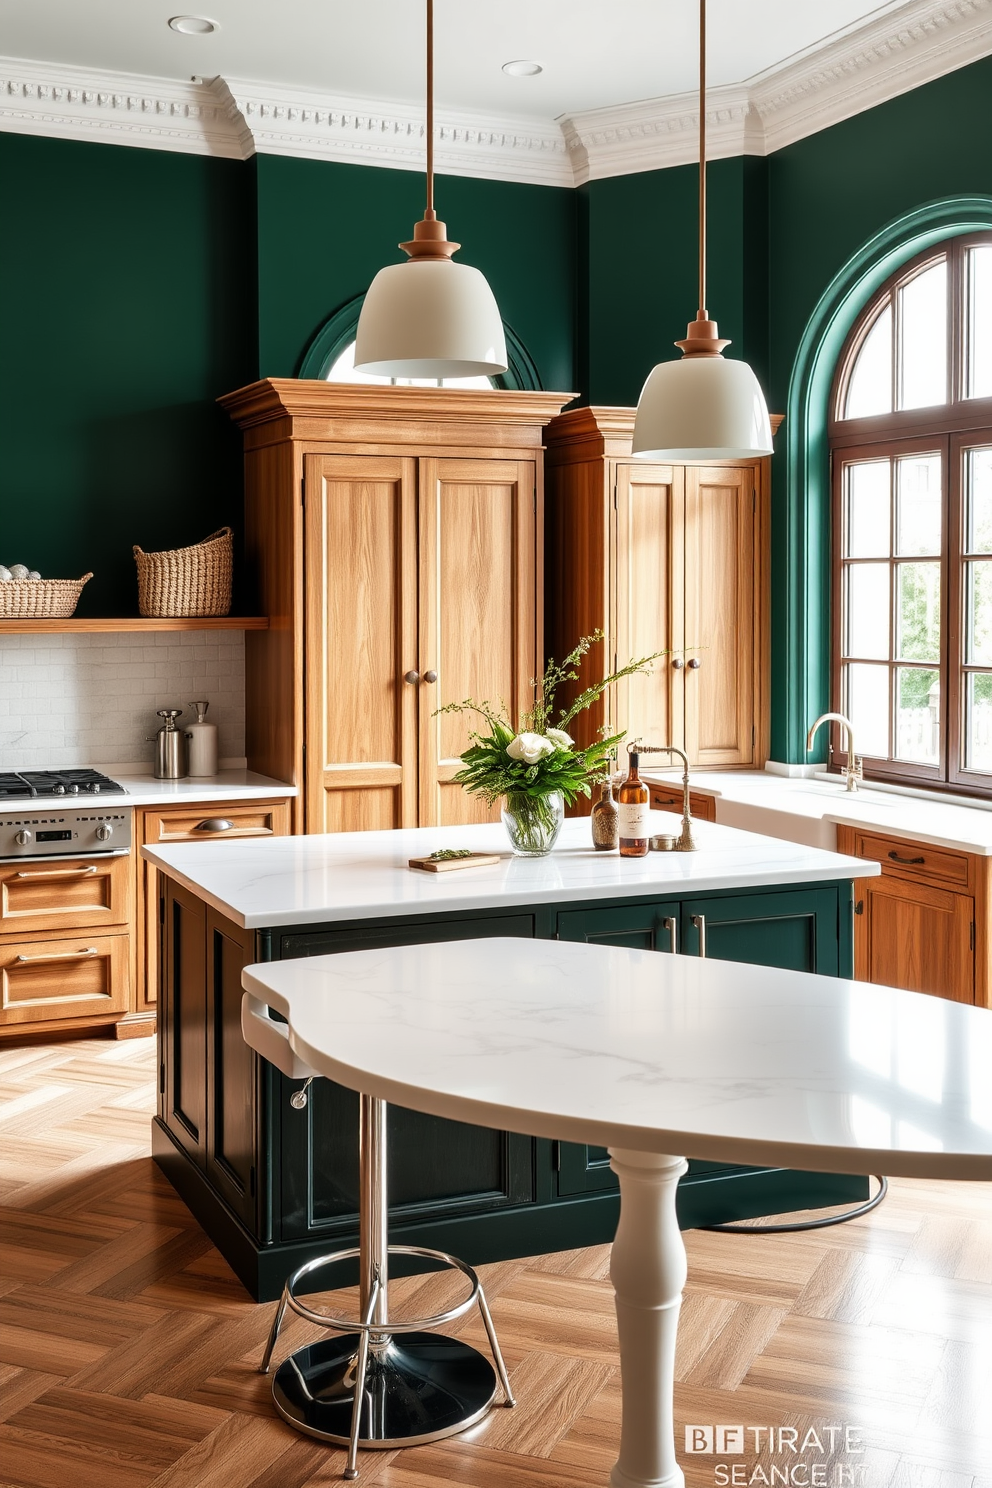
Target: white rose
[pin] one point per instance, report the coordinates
(560, 738)
(530, 748)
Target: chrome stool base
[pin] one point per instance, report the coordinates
(425, 1386)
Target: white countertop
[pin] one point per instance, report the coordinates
(363, 875)
(654, 1053)
(142, 789)
(809, 810)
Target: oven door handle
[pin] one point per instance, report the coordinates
(60, 873)
(61, 956)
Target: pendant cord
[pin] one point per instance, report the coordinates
(430, 110)
(702, 158)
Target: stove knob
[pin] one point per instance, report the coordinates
(104, 832)
(58, 790)
(95, 787)
(74, 789)
(22, 838)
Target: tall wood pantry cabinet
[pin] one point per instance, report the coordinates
(396, 538)
(661, 557)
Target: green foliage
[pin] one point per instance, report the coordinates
(489, 771)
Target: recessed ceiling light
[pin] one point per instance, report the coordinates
(193, 25)
(522, 69)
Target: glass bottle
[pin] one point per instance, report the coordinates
(634, 801)
(605, 819)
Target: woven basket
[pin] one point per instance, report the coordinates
(192, 581)
(28, 599)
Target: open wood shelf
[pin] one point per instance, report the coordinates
(47, 626)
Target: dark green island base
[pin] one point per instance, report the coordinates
(274, 1187)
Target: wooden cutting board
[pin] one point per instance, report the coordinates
(448, 865)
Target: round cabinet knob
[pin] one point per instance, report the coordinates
(104, 832)
(694, 663)
(430, 676)
(678, 663)
(412, 677)
(22, 838)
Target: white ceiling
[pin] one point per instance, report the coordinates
(596, 53)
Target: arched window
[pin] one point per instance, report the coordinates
(911, 448)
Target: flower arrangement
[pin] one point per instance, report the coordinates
(537, 767)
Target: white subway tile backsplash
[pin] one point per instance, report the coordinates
(76, 700)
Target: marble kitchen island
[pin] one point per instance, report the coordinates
(274, 1186)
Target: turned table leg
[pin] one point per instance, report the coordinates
(648, 1270)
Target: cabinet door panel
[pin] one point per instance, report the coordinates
(231, 1069)
(361, 602)
(649, 598)
(478, 613)
(797, 930)
(185, 1020)
(916, 937)
(720, 602)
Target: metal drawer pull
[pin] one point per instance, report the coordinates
(897, 859)
(63, 955)
(700, 923)
(670, 925)
(214, 824)
(60, 873)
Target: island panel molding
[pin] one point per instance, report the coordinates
(863, 66)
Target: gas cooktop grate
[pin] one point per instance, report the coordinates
(27, 784)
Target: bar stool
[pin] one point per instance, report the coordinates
(382, 1383)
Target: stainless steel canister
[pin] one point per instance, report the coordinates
(170, 747)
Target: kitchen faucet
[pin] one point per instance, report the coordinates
(855, 765)
(684, 842)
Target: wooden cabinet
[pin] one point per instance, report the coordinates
(396, 537)
(662, 557)
(924, 924)
(209, 821)
(669, 798)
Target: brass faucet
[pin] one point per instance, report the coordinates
(855, 765)
(685, 842)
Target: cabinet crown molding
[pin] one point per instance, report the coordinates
(279, 397)
(234, 118)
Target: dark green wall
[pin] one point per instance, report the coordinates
(324, 230)
(125, 277)
(640, 277)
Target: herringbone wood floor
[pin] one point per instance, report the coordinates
(128, 1350)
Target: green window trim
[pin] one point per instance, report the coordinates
(336, 333)
(802, 665)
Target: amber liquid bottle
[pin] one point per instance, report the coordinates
(633, 801)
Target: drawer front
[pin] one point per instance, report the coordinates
(915, 859)
(86, 894)
(216, 820)
(79, 976)
(669, 798)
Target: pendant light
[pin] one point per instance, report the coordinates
(430, 317)
(702, 408)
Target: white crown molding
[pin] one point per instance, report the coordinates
(889, 55)
(114, 108)
(290, 122)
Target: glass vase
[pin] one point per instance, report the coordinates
(533, 822)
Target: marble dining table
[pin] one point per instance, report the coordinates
(659, 1058)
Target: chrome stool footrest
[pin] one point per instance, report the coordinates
(384, 1382)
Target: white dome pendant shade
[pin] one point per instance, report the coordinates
(430, 317)
(702, 408)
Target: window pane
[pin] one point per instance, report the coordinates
(923, 339)
(869, 391)
(868, 509)
(918, 612)
(978, 722)
(978, 650)
(978, 498)
(978, 380)
(918, 496)
(868, 708)
(868, 610)
(917, 715)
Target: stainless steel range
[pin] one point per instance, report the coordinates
(64, 815)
